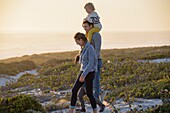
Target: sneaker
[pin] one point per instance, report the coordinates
(83, 110)
(102, 108)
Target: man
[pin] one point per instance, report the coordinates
(96, 42)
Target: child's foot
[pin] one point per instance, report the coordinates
(102, 108)
(83, 110)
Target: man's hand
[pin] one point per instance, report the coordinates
(77, 58)
(81, 79)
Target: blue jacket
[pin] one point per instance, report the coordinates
(88, 59)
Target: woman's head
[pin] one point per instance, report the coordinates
(80, 39)
(89, 7)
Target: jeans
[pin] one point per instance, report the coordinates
(89, 88)
(96, 81)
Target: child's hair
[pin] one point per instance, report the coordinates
(79, 36)
(87, 22)
(89, 4)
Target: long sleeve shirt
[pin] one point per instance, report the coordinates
(94, 18)
(88, 59)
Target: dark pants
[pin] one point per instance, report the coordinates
(89, 88)
(82, 93)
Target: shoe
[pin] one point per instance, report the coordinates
(83, 110)
(102, 108)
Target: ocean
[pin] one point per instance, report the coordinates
(19, 44)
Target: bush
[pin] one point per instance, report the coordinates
(19, 104)
(14, 68)
(165, 108)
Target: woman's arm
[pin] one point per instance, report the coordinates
(91, 58)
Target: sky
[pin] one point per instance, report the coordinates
(67, 15)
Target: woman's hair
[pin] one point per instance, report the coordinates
(89, 4)
(79, 36)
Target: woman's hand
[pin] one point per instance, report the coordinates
(81, 79)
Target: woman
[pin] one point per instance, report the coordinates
(88, 63)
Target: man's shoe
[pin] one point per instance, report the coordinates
(102, 108)
(83, 110)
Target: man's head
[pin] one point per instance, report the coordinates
(87, 26)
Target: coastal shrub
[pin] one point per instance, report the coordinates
(14, 68)
(165, 108)
(19, 104)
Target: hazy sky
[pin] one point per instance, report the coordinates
(67, 15)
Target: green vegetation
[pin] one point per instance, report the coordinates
(54, 78)
(122, 74)
(134, 53)
(139, 79)
(14, 68)
(165, 108)
(19, 104)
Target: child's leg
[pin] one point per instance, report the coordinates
(81, 94)
(91, 32)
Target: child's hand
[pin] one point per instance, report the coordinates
(77, 58)
(84, 19)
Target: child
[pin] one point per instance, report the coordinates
(81, 94)
(92, 17)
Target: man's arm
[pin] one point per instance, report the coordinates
(96, 42)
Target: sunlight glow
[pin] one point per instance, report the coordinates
(59, 16)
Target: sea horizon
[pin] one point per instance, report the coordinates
(20, 44)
